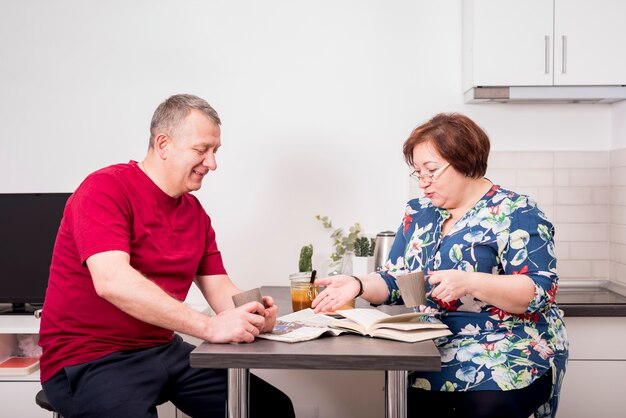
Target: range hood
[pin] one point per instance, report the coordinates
(546, 94)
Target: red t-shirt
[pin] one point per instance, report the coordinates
(170, 241)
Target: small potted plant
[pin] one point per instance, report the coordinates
(363, 262)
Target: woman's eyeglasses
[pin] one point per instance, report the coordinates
(429, 178)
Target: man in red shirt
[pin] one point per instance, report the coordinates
(131, 242)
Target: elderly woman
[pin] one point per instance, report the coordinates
(488, 254)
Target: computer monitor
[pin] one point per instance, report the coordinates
(28, 227)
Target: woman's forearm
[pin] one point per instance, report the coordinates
(375, 289)
(511, 293)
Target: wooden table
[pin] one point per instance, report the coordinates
(346, 352)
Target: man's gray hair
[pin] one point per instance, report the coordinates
(171, 113)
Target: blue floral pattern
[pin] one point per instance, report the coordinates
(504, 233)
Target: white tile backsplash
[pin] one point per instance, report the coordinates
(618, 234)
(600, 195)
(584, 194)
(574, 269)
(589, 177)
(600, 269)
(542, 177)
(561, 177)
(618, 252)
(504, 177)
(548, 210)
(589, 251)
(561, 250)
(545, 196)
(618, 158)
(618, 176)
(532, 192)
(618, 195)
(525, 160)
(581, 232)
(618, 272)
(595, 214)
(581, 159)
(618, 215)
(573, 195)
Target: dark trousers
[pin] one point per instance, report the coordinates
(130, 384)
(520, 403)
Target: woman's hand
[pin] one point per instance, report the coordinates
(511, 293)
(339, 291)
(450, 284)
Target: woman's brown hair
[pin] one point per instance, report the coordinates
(457, 139)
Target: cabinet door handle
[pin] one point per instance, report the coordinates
(547, 57)
(564, 56)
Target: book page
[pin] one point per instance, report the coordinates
(411, 336)
(299, 326)
(363, 317)
(408, 322)
(293, 332)
(307, 317)
(370, 319)
(407, 326)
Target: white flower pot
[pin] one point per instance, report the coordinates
(362, 265)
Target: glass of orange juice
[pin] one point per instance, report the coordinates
(302, 291)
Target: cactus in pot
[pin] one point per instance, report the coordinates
(306, 258)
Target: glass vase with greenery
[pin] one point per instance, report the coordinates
(346, 246)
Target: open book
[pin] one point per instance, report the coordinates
(306, 325)
(409, 327)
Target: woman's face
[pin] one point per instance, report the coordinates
(441, 183)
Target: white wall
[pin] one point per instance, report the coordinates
(316, 100)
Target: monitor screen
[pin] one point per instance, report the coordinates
(28, 227)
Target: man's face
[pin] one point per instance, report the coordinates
(191, 153)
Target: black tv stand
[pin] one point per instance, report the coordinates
(19, 308)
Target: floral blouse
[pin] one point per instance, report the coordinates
(490, 349)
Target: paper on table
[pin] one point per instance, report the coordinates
(303, 325)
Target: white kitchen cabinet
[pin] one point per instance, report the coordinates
(593, 389)
(596, 368)
(17, 398)
(17, 393)
(544, 43)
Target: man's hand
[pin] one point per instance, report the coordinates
(237, 325)
(271, 311)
